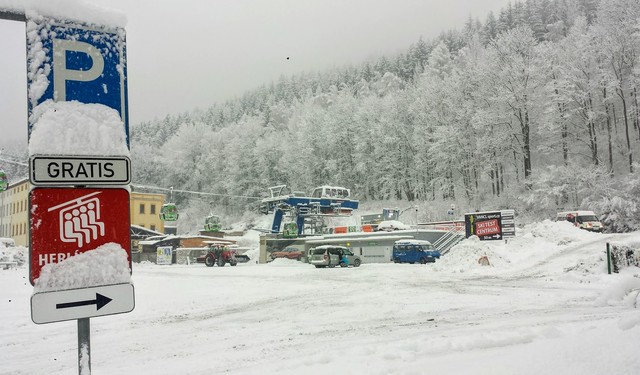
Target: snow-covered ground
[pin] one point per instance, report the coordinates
(546, 305)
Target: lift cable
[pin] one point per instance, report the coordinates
(192, 192)
(14, 162)
(157, 187)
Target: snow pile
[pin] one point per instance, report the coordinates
(251, 238)
(74, 128)
(466, 256)
(286, 262)
(560, 232)
(625, 288)
(253, 254)
(556, 246)
(107, 264)
(17, 254)
(74, 10)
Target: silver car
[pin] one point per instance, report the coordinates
(331, 256)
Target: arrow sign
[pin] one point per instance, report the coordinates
(100, 301)
(60, 305)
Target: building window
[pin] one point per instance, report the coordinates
(141, 208)
(153, 227)
(153, 210)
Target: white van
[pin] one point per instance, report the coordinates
(586, 220)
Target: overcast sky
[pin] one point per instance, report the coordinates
(187, 54)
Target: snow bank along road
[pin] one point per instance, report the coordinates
(545, 306)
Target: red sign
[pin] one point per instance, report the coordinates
(69, 221)
(489, 227)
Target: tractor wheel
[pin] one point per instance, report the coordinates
(233, 262)
(209, 260)
(356, 263)
(221, 262)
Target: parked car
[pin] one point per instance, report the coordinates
(391, 225)
(330, 256)
(586, 220)
(289, 253)
(414, 251)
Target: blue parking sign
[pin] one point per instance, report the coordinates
(69, 61)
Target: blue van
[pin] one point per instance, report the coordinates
(414, 251)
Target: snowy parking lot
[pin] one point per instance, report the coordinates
(545, 305)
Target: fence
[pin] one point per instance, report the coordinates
(620, 256)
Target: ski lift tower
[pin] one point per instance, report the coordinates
(282, 201)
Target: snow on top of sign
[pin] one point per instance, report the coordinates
(72, 10)
(74, 128)
(106, 265)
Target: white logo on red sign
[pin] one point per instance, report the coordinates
(79, 220)
(489, 227)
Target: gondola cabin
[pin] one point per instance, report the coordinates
(212, 224)
(290, 230)
(4, 181)
(169, 212)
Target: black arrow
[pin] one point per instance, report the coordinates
(100, 301)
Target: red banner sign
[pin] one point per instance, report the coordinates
(69, 221)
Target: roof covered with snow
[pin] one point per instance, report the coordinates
(72, 10)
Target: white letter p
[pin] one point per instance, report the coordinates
(60, 72)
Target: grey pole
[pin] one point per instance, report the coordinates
(84, 347)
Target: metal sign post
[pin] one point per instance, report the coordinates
(68, 61)
(84, 346)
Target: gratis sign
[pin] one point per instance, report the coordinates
(85, 170)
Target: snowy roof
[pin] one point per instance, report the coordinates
(576, 212)
(19, 182)
(370, 238)
(219, 241)
(72, 10)
(413, 242)
(329, 246)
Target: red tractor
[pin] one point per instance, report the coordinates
(219, 254)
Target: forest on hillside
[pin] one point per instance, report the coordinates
(535, 108)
